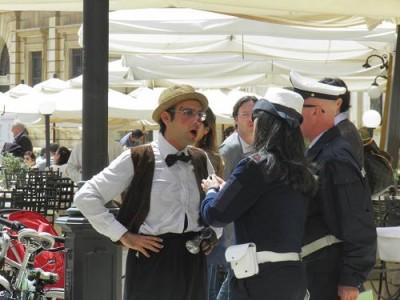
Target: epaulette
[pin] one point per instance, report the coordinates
(258, 157)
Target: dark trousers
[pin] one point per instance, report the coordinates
(275, 281)
(323, 271)
(171, 274)
(216, 276)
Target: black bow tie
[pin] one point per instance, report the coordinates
(173, 158)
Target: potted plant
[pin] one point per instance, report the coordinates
(13, 171)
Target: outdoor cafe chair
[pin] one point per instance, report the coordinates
(387, 220)
(59, 196)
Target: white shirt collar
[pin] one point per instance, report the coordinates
(315, 140)
(341, 116)
(166, 148)
(246, 148)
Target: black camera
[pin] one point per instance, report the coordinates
(207, 234)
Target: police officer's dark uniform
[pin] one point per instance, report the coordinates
(340, 233)
(269, 213)
(343, 209)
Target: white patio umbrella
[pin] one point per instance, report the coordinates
(68, 104)
(13, 95)
(67, 99)
(145, 100)
(19, 91)
(52, 85)
(41, 91)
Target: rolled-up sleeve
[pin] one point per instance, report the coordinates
(102, 188)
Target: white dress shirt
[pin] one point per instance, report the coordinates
(174, 194)
(246, 148)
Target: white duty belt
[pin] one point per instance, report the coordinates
(269, 256)
(244, 259)
(323, 242)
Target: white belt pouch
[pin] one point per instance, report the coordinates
(243, 259)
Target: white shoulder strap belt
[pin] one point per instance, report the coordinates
(319, 244)
(269, 256)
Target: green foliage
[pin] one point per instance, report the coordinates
(13, 169)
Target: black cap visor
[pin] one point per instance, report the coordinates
(307, 94)
(289, 115)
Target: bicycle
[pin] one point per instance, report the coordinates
(22, 281)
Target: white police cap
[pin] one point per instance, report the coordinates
(282, 103)
(309, 87)
(286, 98)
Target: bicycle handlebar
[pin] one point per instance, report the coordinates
(59, 239)
(17, 226)
(14, 225)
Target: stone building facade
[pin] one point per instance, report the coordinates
(35, 46)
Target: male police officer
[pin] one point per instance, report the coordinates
(340, 236)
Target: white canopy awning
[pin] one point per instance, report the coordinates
(312, 12)
(118, 76)
(213, 50)
(186, 21)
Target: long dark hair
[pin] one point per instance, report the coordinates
(282, 149)
(209, 141)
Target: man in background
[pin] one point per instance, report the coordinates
(21, 143)
(132, 139)
(239, 143)
(41, 161)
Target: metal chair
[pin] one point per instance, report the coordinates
(387, 220)
(59, 196)
(6, 199)
(37, 190)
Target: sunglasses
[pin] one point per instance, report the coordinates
(190, 113)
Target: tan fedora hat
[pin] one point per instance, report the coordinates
(176, 94)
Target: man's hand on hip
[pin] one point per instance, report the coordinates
(142, 243)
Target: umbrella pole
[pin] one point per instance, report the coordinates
(54, 132)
